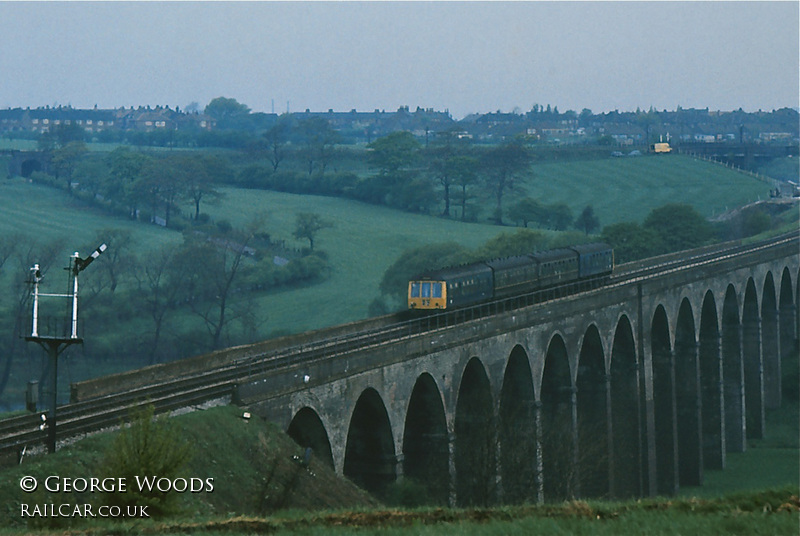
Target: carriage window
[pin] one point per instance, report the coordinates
(437, 290)
(426, 290)
(415, 289)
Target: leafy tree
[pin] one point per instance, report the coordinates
(448, 164)
(93, 175)
(522, 242)
(631, 241)
(502, 166)
(319, 138)
(162, 182)
(394, 156)
(559, 216)
(587, 222)
(125, 168)
(229, 113)
(679, 226)
(527, 210)
(66, 158)
(393, 152)
(307, 225)
(199, 176)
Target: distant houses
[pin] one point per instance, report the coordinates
(41, 120)
(541, 125)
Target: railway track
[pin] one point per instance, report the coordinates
(84, 417)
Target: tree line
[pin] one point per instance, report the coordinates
(179, 300)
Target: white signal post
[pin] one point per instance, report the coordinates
(55, 344)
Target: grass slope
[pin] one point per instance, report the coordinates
(240, 454)
(626, 189)
(252, 464)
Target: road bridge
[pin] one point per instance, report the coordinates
(632, 389)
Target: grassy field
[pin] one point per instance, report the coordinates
(365, 239)
(626, 189)
(249, 496)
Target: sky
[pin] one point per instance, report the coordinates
(464, 57)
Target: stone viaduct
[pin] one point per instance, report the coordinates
(632, 389)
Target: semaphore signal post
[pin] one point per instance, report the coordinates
(54, 343)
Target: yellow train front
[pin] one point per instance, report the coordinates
(427, 295)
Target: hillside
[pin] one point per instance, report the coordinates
(254, 466)
(259, 487)
(362, 243)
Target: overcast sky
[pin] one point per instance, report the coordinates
(464, 57)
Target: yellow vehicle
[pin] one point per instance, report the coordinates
(427, 294)
(661, 148)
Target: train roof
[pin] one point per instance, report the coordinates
(511, 262)
(454, 272)
(585, 249)
(555, 254)
(464, 270)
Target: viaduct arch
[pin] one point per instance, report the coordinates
(628, 390)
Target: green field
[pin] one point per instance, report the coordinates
(758, 497)
(363, 242)
(366, 239)
(626, 189)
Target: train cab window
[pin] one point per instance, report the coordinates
(426, 290)
(436, 290)
(415, 289)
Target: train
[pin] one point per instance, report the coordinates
(470, 284)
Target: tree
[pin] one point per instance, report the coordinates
(447, 163)
(587, 221)
(502, 166)
(320, 139)
(522, 242)
(559, 216)
(65, 158)
(229, 113)
(679, 227)
(527, 210)
(396, 183)
(125, 168)
(200, 173)
(465, 175)
(211, 269)
(276, 138)
(307, 225)
(631, 241)
(162, 280)
(162, 181)
(394, 152)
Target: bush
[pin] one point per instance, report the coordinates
(148, 448)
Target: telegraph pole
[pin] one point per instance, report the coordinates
(54, 344)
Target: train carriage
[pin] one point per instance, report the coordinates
(513, 275)
(474, 283)
(451, 287)
(557, 266)
(594, 259)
